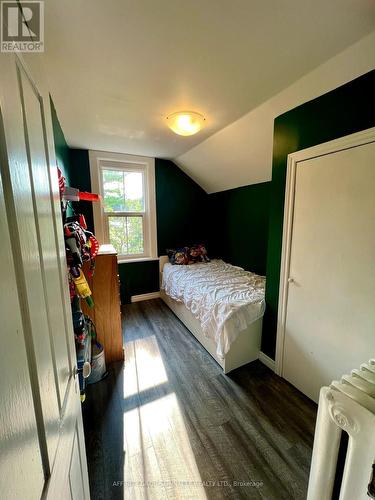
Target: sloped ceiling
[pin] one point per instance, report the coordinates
(241, 153)
(118, 67)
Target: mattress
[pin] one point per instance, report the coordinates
(225, 299)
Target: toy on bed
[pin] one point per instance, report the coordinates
(188, 255)
(198, 253)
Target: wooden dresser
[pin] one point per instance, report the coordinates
(106, 313)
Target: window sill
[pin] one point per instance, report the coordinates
(139, 259)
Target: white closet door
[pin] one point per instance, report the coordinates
(35, 227)
(330, 322)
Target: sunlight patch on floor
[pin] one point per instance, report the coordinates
(159, 460)
(144, 368)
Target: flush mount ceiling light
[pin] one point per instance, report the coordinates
(185, 122)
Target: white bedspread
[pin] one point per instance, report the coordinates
(224, 298)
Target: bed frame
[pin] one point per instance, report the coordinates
(242, 351)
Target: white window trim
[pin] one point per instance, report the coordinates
(148, 166)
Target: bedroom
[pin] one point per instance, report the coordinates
(217, 393)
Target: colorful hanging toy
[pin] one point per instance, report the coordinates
(81, 246)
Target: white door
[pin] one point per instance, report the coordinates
(330, 315)
(41, 391)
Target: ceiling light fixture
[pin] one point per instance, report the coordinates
(185, 122)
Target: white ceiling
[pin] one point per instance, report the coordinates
(118, 67)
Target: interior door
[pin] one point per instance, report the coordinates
(20, 453)
(330, 320)
(42, 306)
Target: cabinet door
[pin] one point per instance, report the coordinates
(36, 234)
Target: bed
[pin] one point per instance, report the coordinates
(221, 305)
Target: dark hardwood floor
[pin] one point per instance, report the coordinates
(169, 424)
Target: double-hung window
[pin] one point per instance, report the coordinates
(125, 217)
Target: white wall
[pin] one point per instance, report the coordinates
(241, 153)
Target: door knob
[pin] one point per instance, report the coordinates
(85, 370)
(290, 280)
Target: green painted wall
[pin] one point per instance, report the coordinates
(345, 110)
(239, 226)
(80, 178)
(61, 147)
(137, 278)
(74, 164)
(181, 207)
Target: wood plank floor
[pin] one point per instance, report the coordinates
(169, 424)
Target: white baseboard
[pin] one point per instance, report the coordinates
(145, 296)
(266, 360)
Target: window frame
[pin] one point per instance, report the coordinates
(100, 161)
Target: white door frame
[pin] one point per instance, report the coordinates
(346, 142)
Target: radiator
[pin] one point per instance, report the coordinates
(347, 405)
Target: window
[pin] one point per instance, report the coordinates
(126, 215)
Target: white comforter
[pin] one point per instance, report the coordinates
(224, 298)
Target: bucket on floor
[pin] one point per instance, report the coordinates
(98, 368)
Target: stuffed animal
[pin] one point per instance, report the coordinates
(188, 255)
(178, 257)
(194, 254)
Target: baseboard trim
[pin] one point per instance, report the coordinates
(266, 360)
(145, 296)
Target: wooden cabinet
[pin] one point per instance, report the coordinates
(106, 313)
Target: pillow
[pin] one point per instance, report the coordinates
(178, 257)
